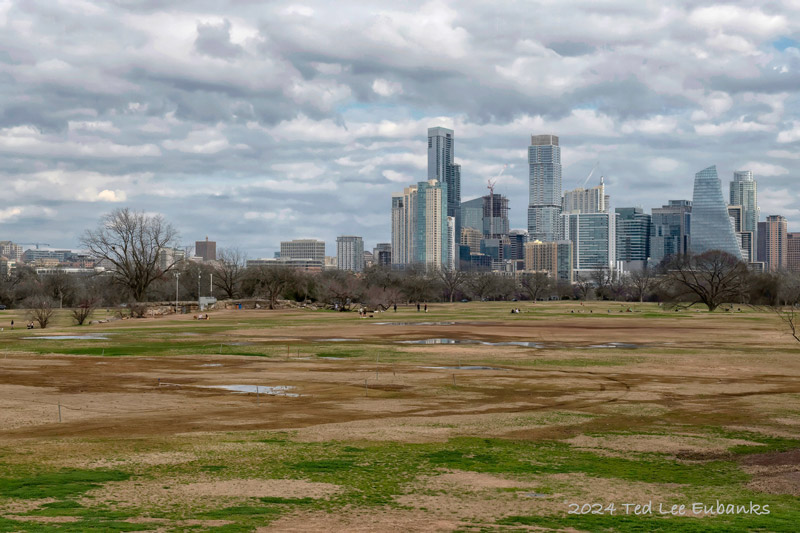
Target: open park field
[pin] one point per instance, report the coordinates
(465, 418)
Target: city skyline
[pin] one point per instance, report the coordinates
(257, 124)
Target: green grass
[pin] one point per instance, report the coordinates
(61, 484)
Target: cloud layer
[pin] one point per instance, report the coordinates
(252, 123)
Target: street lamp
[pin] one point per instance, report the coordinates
(177, 277)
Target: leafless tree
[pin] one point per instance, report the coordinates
(711, 278)
(132, 241)
(269, 282)
(535, 284)
(481, 285)
(452, 281)
(643, 282)
(40, 309)
(83, 311)
(583, 286)
(602, 280)
(791, 320)
(341, 288)
(418, 284)
(229, 270)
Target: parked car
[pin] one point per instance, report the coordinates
(2, 307)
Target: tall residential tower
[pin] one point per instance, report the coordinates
(544, 204)
(442, 168)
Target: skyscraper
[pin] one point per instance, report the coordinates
(712, 228)
(744, 192)
(206, 249)
(544, 203)
(775, 245)
(350, 253)
(594, 240)
(312, 249)
(633, 237)
(580, 200)
(554, 257)
(404, 223)
(670, 230)
(793, 252)
(431, 240)
(442, 168)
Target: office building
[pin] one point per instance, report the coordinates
(580, 200)
(382, 254)
(633, 238)
(441, 167)
(451, 243)
(518, 238)
(670, 230)
(471, 238)
(793, 252)
(369, 259)
(167, 257)
(312, 249)
(712, 228)
(744, 238)
(744, 192)
(594, 240)
(553, 257)
(206, 249)
(472, 214)
(350, 253)
(773, 247)
(544, 201)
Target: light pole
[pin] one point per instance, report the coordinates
(211, 285)
(177, 277)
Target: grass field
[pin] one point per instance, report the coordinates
(465, 418)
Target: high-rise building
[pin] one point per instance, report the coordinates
(594, 240)
(471, 237)
(303, 249)
(382, 254)
(350, 253)
(441, 167)
(712, 228)
(544, 202)
(206, 249)
(518, 238)
(167, 257)
(11, 251)
(744, 192)
(404, 223)
(431, 241)
(553, 257)
(744, 238)
(775, 247)
(793, 252)
(472, 214)
(670, 230)
(633, 238)
(451, 243)
(580, 200)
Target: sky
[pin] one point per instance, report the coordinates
(252, 123)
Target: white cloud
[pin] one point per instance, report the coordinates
(205, 141)
(299, 171)
(92, 126)
(663, 164)
(112, 196)
(386, 88)
(734, 126)
(765, 169)
(790, 135)
(397, 177)
(281, 215)
(784, 154)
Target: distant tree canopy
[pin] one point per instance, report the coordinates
(711, 278)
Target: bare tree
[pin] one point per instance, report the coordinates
(40, 309)
(482, 285)
(602, 280)
(418, 285)
(83, 311)
(583, 286)
(340, 288)
(790, 319)
(132, 243)
(535, 284)
(452, 281)
(229, 270)
(269, 282)
(643, 282)
(710, 278)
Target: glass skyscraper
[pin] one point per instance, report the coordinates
(442, 168)
(712, 228)
(594, 240)
(633, 237)
(744, 192)
(544, 204)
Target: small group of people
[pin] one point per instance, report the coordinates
(418, 307)
(515, 311)
(30, 325)
(364, 313)
(201, 316)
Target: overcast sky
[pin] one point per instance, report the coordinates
(253, 123)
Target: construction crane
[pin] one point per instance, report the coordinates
(490, 185)
(37, 244)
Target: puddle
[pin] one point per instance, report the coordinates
(442, 341)
(615, 345)
(212, 364)
(68, 337)
(536, 495)
(464, 367)
(277, 390)
(413, 323)
(336, 339)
